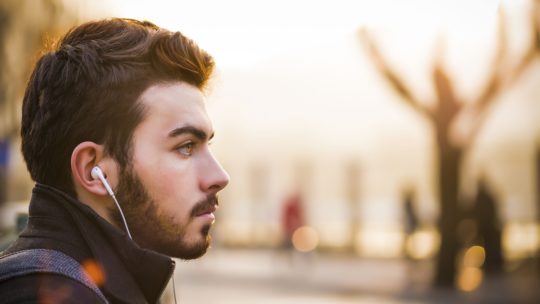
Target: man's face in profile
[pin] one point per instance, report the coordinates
(169, 188)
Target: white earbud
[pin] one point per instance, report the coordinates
(98, 174)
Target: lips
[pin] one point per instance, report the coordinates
(207, 210)
(205, 207)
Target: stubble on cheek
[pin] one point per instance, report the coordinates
(156, 228)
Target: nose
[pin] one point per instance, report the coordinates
(214, 178)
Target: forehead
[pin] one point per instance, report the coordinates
(173, 105)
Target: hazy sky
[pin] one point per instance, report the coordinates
(239, 32)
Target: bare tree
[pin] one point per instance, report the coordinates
(450, 111)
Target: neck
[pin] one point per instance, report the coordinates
(100, 205)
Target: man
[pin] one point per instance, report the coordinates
(125, 98)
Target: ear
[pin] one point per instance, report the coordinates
(85, 156)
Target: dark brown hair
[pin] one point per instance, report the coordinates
(87, 89)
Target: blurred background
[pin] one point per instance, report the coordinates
(379, 151)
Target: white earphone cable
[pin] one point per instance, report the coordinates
(121, 214)
(174, 288)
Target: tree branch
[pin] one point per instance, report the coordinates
(391, 76)
(534, 46)
(494, 83)
(498, 81)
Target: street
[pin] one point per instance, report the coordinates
(266, 276)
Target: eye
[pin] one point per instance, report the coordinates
(186, 149)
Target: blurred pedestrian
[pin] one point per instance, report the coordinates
(4, 161)
(411, 220)
(489, 227)
(292, 218)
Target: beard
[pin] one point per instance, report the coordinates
(155, 230)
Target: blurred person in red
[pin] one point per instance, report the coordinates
(292, 218)
(116, 136)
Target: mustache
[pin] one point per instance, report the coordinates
(206, 205)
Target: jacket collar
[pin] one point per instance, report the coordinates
(131, 273)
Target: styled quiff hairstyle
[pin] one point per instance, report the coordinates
(88, 87)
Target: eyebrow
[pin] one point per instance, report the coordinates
(200, 134)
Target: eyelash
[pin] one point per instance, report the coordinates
(190, 145)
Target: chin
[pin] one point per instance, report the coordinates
(191, 255)
(196, 250)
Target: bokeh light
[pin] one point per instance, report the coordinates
(470, 279)
(94, 271)
(474, 257)
(305, 239)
